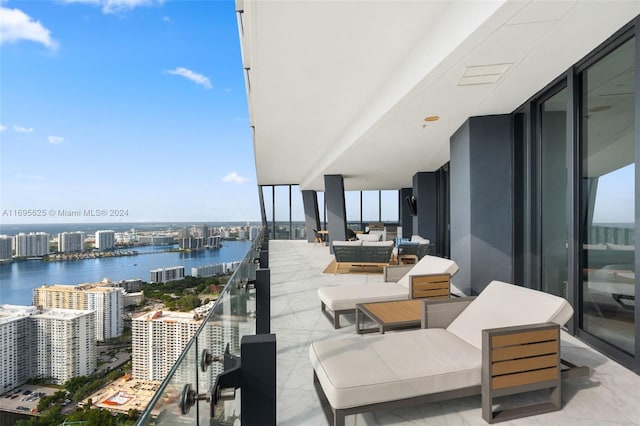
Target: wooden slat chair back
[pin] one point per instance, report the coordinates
(435, 286)
(517, 360)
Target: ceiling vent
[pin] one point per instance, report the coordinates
(483, 74)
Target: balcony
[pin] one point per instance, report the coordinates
(608, 396)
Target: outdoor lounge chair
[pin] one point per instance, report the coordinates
(502, 342)
(343, 299)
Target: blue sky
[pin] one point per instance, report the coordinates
(135, 105)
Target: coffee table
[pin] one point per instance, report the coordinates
(389, 315)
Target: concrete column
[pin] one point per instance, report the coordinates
(425, 189)
(481, 193)
(336, 210)
(311, 214)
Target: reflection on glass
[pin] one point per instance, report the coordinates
(231, 318)
(608, 198)
(553, 119)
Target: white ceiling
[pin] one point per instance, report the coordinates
(343, 87)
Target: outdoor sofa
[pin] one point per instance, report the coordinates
(362, 253)
(502, 342)
(339, 300)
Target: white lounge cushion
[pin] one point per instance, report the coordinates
(357, 371)
(430, 265)
(369, 237)
(343, 297)
(504, 305)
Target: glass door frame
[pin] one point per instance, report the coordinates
(622, 36)
(527, 189)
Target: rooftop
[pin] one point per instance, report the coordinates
(10, 313)
(609, 396)
(167, 316)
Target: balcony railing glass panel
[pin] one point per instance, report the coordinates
(183, 397)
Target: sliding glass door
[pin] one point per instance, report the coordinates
(608, 198)
(553, 193)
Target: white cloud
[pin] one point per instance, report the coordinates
(233, 177)
(20, 129)
(193, 76)
(15, 25)
(115, 6)
(55, 139)
(166, 19)
(3, 127)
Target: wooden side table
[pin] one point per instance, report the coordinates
(389, 315)
(407, 259)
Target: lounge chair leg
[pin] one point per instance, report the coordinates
(335, 320)
(334, 417)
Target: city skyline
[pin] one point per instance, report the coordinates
(137, 109)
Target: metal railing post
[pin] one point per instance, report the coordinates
(258, 393)
(263, 301)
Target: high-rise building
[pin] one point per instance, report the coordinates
(162, 275)
(40, 343)
(253, 232)
(159, 337)
(6, 249)
(107, 302)
(70, 241)
(105, 240)
(32, 244)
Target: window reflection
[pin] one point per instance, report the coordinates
(608, 194)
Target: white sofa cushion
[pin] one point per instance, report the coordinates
(369, 237)
(419, 239)
(504, 305)
(377, 243)
(344, 297)
(346, 243)
(360, 370)
(430, 265)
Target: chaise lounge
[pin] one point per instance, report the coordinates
(502, 342)
(340, 300)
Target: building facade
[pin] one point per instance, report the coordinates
(163, 275)
(45, 343)
(71, 241)
(107, 302)
(6, 247)
(159, 338)
(105, 240)
(32, 244)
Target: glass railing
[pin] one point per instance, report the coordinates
(183, 397)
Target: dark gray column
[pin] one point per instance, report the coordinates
(481, 202)
(425, 189)
(336, 211)
(311, 215)
(406, 220)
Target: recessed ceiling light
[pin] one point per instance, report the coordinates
(431, 118)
